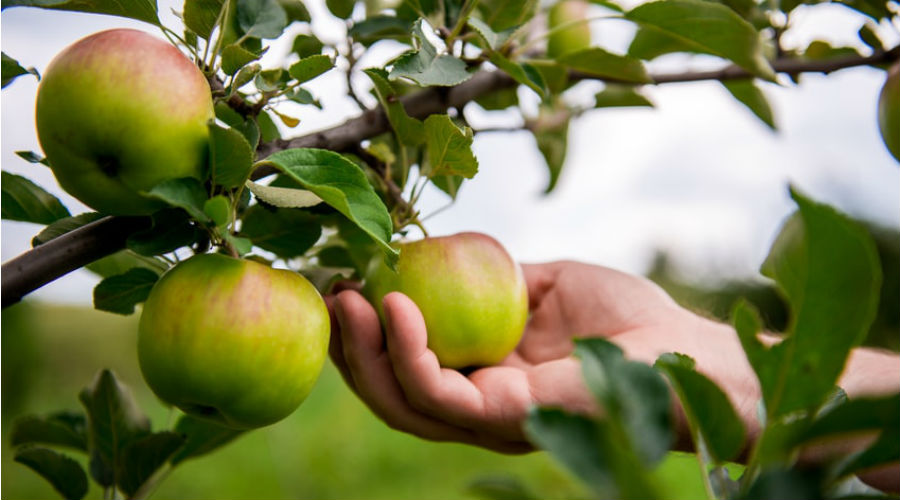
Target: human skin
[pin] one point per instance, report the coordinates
(117, 113)
(395, 374)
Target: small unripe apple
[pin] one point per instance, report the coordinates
(119, 112)
(574, 33)
(470, 291)
(889, 111)
(233, 341)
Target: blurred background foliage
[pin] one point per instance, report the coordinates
(333, 447)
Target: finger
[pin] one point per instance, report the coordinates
(370, 368)
(335, 346)
(496, 404)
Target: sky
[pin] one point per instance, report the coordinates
(698, 176)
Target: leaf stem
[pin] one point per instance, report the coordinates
(152, 482)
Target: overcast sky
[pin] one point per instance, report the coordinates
(698, 176)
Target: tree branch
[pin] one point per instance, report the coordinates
(84, 245)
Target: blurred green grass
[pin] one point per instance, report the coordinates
(331, 448)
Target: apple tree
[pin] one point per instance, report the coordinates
(179, 153)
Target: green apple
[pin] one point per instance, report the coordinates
(889, 111)
(572, 32)
(119, 112)
(470, 291)
(233, 341)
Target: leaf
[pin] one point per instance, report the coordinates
(500, 488)
(871, 413)
(142, 10)
(25, 201)
(218, 208)
(286, 232)
(114, 421)
(245, 76)
(171, 230)
(875, 9)
(58, 429)
(235, 57)
(633, 394)
(502, 15)
(122, 261)
(261, 18)
(231, 157)
(119, 294)
(284, 197)
(614, 95)
(141, 458)
(186, 193)
(650, 43)
(306, 45)
(523, 73)
(708, 27)
(63, 226)
(32, 157)
(885, 450)
(247, 127)
(493, 39)
(295, 10)
(10, 70)
(715, 425)
(827, 267)
(242, 246)
(551, 132)
(342, 185)
(201, 437)
(200, 16)
(449, 148)
(340, 8)
(267, 128)
(310, 67)
(65, 474)
(410, 131)
(376, 28)
(786, 484)
(750, 95)
(425, 66)
(595, 61)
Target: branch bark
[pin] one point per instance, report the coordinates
(82, 246)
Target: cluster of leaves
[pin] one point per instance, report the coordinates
(124, 454)
(827, 267)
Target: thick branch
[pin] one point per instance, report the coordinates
(57, 257)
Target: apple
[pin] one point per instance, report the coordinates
(470, 291)
(119, 112)
(889, 111)
(233, 341)
(574, 33)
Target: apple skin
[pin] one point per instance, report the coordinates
(119, 112)
(889, 111)
(233, 341)
(570, 39)
(470, 291)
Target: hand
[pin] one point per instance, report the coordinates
(400, 379)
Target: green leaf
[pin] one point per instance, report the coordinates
(409, 130)
(342, 185)
(551, 132)
(854, 416)
(171, 229)
(245, 76)
(750, 95)
(425, 66)
(201, 437)
(231, 157)
(523, 73)
(595, 61)
(885, 450)
(555, 75)
(302, 96)
(235, 57)
(122, 261)
(595, 452)
(267, 128)
(295, 10)
(114, 421)
(708, 27)
(310, 67)
(286, 232)
(25, 201)
(142, 10)
(306, 45)
(284, 197)
(650, 43)
(868, 33)
(787, 484)
(500, 488)
(242, 246)
(614, 95)
(271, 79)
(63, 226)
(218, 208)
(715, 425)
(119, 294)
(248, 128)
(261, 18)
(499, 99)
(493, 39)
(32, 157)
(502, 15)
(875, 9)
(376, 28)
(186, 193)
(65, 474)
(200, 16)
(59, 429)
(143, 457)
(341, 8)
(10, 70)
(449, 148)
(634, 395)
(827, 267)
